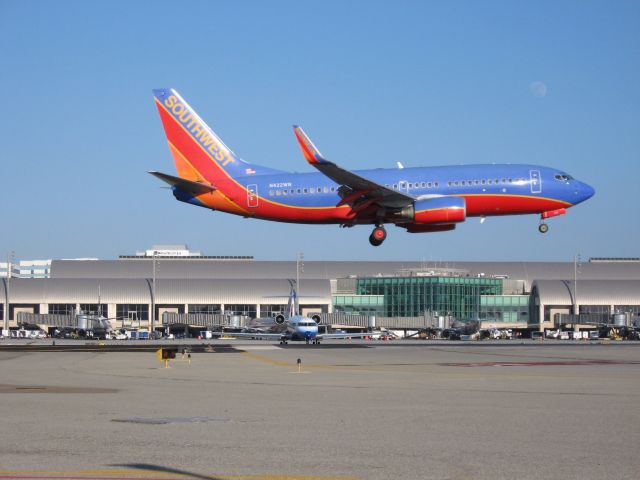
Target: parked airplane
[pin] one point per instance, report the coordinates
(291, 326)
(420, 199)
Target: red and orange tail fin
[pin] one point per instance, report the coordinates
(198, 153)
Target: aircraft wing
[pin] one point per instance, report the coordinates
(255, 335)
(362, 190)
(197, 188)
(340, 336)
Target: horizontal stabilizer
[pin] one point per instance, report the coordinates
(196, 188)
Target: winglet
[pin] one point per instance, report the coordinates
(309, 150)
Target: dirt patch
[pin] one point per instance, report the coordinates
(4, 388)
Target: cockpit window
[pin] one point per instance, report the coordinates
(563, 177)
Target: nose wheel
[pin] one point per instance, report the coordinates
(543, 228)
(378, 236)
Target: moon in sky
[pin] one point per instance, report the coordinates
(538, 89)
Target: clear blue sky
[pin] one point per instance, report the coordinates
(425, 83)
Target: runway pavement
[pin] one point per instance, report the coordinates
(411, 410)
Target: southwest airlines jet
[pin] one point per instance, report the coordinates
(420, 199)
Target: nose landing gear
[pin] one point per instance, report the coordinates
(543, 227)
(378, 236)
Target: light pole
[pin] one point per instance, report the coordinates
(10, 259)
(576, 270)
(153, 297)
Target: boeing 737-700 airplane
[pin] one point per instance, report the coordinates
(420, 199)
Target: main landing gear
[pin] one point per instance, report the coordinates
(543, 228)
(378, 236)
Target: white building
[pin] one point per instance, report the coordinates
(34, 268)
(4, 269)
(169, 251)
(181, 252)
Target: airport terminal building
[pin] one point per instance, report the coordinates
(152, 290)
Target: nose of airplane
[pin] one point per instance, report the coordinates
(587, 191)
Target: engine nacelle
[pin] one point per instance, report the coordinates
(433, 211)
(279, 319)
(443, 210)
(316, 318)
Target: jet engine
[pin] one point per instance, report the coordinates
(279, 319)
(316, 318)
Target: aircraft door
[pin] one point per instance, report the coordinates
(252, 195)
(536, 181)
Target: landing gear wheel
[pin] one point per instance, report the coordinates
(543, 228)
(378, 236)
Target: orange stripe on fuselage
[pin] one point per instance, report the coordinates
(215, 199)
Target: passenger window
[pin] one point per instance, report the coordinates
(271, 193)
(278, 193)
(284, 192)
(299, 191)
(325, 190)
(305, 190)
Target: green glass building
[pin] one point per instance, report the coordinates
(359, 304)
(504, 308)
(459, 297)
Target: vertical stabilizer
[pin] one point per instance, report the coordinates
(198, 153)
